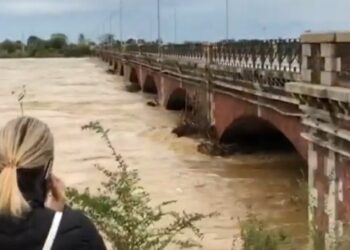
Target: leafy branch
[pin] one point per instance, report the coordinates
(121, 209)
(20, 98)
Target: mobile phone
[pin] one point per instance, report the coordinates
(47, 178)
(48, 170)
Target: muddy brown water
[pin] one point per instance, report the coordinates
(68, 93)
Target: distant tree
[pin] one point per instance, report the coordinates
(58, 41)
(159, 41)
(131, 41)
(32, 40)
(74, 50)
(91, 43)
(8, 46)
(107, 38)
(19, 44)
(141, 41)
(34, 45)
(81, 39)
(189, 42)
(56, 46)
(60, 36)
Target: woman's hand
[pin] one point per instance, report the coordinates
(56, 199)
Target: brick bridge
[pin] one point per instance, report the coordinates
(298, 88)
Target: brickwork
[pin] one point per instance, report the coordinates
(325, 68)
(229, 109)
(167, 86)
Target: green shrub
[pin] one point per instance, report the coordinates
(122, 210)
(255, 236)
(77, 51)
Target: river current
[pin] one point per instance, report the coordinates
(68, 93)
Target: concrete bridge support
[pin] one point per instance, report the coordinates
(324, 98)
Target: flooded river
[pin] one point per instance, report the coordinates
(68, 93)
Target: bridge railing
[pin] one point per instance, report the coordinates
(189, 51)
(131, 48)
(149, 48)
(276, 55)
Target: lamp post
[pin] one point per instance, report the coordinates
(110, 30)
(121, 20)
(121, 25)
(227, 20)
(158, 20)
(175, 25)
(158, 23)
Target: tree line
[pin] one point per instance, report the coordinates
(57, 45)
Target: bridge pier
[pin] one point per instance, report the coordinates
(324, 98)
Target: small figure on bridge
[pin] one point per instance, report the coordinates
(33, 214)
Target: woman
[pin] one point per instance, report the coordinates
(26, 156)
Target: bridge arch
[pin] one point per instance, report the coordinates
(115, 66)
(150, 85)
(259, 134)
(110, 61)
(179, 100)
(121, 69)
(134, 80)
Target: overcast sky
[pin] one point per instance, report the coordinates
(196, 19)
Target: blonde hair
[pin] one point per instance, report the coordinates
(25, 143)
